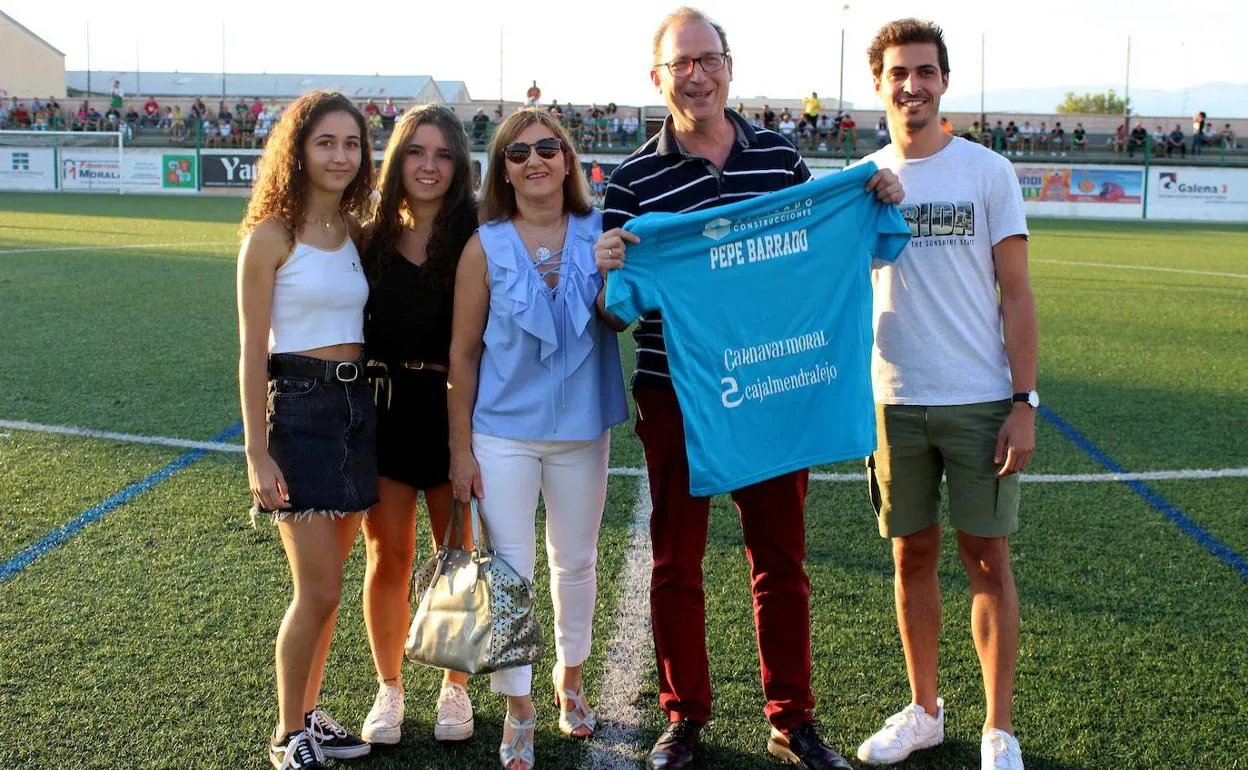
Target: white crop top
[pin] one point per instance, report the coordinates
(318, 299)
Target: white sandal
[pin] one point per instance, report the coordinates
(577, 716)
(520, 747)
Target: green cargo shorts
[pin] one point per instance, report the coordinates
(917, 444)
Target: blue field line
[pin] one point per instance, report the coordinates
(32, 553)
(1224, 552)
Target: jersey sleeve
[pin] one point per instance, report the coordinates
(630, 290)
(887, 232)
(1006, 215)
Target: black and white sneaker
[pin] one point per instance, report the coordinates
(296, 751)
(333, 738)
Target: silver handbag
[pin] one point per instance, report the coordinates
(473, 612)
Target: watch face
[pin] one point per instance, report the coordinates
(1033, 399)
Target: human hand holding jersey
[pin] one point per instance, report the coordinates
(767, 304)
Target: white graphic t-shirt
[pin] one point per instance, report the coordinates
(936, 314)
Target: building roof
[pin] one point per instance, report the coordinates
(454, 91)
(265, 85)
(7, 19)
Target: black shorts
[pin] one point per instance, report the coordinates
(322, 435)
(412, 429)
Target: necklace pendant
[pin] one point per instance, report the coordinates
(543, 253)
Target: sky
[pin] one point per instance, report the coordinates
(581, 52)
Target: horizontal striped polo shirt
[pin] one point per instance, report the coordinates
(663, 176)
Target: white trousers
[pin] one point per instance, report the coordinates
(571, 477)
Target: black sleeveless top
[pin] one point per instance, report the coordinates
(408, 317)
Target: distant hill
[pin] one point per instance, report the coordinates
(1219, 100)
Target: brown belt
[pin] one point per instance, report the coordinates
(422, 365)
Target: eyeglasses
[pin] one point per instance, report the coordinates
(547, 148)
(683, 67)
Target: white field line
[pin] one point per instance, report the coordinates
(1139, 267)
(117, 247)
(614, 745)
(1034, 478)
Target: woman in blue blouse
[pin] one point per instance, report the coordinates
(535, 386)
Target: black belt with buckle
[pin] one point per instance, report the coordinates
(329, 371)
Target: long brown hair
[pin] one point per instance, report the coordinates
(456, 219)
(498, 199)
(281, 188)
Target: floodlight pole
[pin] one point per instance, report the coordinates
(88, 60)
(1126, 98)
(840, 92)
(983, 117)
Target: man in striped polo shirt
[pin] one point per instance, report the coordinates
(707, 156)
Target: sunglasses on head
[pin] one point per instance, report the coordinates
(547, 148)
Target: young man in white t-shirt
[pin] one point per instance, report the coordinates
(954, 371)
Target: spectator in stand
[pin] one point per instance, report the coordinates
(275, 110)
(946, 126)
(1137, 140)
(741, 111)
(811, 107)
(117, 96)
(1079, 139)
(1227, 137)
(226, 131)
(19, 115)
(4, 115)
(1119, 139)
(257, 107)
(112, 119)
(985, 135)
(375, 125)
(972, 133)
(1042, 137)
(629, 129)
(555, 110)
(1027, 137)
(1199, 125)
(177, 122)
(132, 121)
(371, 109)
(788, 128)
(223, 113)
(1159, 139)
(1057, 140)
(242, 110)
(80, 117)
(881, 133)
(602, 129)
(769, 118)
(1011, 138)
(810, 131)
(533, 95)
(40, 121)
(1176, 141)
(848, 132)
(480, 126)
(151, 112)
(264, 124)
(998, 137)
(211, 132)
(757, 121)
(613, 125)
(388, 113)
(56, 118)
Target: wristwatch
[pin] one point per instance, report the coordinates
(1030, 398)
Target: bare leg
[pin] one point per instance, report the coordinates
(310, 547)
(390, 539)
(994, 622)
(917, 592)
(347, 528)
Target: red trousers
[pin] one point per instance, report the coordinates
(773, 525)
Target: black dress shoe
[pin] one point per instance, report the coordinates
(803, 747)
(674, 748)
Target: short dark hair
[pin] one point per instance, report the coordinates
(903, 32)
(685, 13)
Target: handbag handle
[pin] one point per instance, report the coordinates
(454, 527)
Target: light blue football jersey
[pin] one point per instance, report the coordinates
(767, 321)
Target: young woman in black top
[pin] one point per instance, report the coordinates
(425, 215)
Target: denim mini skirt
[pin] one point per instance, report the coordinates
(322, 434)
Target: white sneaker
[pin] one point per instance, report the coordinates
(385, 721)
(998, 750)
(903, 733)
(454, 714)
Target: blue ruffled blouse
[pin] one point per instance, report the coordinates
(550, 370)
